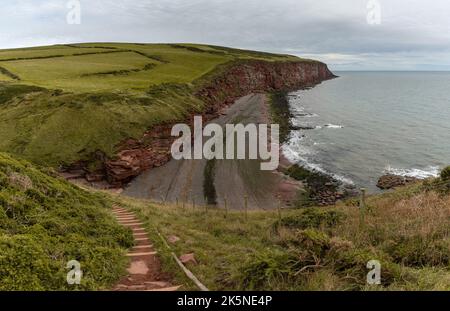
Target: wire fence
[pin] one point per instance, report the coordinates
(358, 200)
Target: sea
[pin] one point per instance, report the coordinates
(363, 125)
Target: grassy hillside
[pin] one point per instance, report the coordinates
(45, 222)
(407, 231)
(103, 67)
(59, 104)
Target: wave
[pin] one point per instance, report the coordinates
(297, 153)
(307, 115)
(296, 123)
(431, 171)
(299, 112)
(333, 126)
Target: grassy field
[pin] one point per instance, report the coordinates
(82, 68)
(46, 222)
(407, 231)
(60, 104)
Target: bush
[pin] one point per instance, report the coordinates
(445, 174)
(262, 270)
(417, 251)
(313, 218)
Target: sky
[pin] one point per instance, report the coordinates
(346, 34)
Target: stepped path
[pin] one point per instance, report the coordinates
(144, 272)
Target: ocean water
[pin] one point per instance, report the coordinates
(367, 124)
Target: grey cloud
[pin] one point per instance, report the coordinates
(412, 35)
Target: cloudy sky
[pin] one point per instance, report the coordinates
(348, 34)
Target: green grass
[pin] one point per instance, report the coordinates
(53, 130)
(46, 222)
(93, 101)
(67, 72)
(314, 248)
(13, 54)
(180, 64)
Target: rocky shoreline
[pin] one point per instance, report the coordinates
(319, 188)
(390, 181)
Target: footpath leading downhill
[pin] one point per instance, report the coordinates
(144, 272)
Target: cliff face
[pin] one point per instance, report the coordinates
(234, 82)
(244, 78)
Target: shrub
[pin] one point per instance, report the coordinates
(313, 218)
(263, 270)
(417, 251)
(445, 174)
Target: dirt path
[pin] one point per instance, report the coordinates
(183, 180)
(144, 272)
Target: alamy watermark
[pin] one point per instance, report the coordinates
(373, 12)
(75, 274)
(374, 275)
(241, 142)
(73, 17)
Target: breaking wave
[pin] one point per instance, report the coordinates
(333, 126)
(431, 171)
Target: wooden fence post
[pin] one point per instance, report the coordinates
(362, 207)
(226, 206)
(279, 213)
(246, 206)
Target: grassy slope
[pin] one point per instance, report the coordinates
(46, 222)
(314, 249)
(93, 101)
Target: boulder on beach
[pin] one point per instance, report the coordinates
(390, 181)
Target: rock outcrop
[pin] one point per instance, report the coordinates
(252, 76)
(390, 181)
(237, 80)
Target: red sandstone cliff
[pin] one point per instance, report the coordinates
(237, 80)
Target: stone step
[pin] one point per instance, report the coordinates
(141, 239)
(125, 218)
(143, 246)
(141, 254)
(147, 288)
(139, 234)
(128, 220)
(131, 223)
(118, 210)
(124, 215)
(138, 229)
(136, 287)
(165, 289)
(158, 284)
(122, 212)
